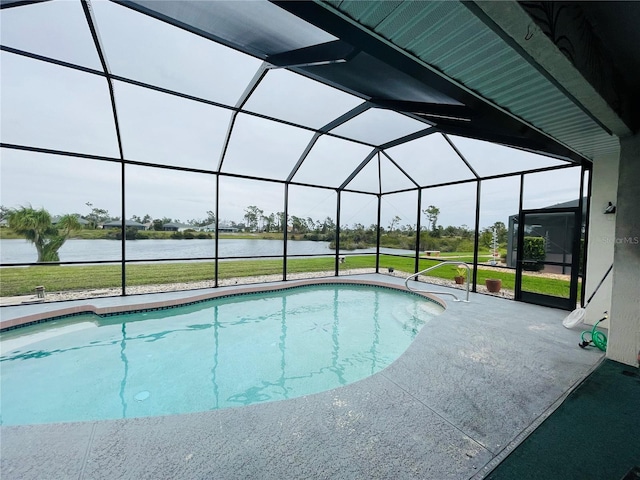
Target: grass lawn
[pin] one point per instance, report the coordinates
(23, 280)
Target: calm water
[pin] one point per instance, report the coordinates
(218, 354)
(21, 251)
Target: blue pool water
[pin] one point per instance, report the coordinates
(221, 353)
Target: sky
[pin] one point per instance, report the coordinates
(54, 107)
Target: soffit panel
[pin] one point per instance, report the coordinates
(448, 36)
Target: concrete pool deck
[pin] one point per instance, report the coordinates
(476, 380)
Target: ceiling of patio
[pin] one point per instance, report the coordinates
(374, 97)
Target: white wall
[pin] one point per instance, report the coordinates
(601, 237)
(624, 333)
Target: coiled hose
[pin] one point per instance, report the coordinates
(598, 338)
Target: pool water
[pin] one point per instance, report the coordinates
(227, 352)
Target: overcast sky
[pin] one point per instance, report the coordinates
(54, 107)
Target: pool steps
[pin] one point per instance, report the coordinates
(456, 299)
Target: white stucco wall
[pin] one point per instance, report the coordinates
(601, 237)
(624, 332)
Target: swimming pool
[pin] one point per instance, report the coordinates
(226, 352)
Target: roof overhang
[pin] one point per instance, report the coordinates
(361, 61)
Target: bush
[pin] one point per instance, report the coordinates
(391, 241)
(116, 234)
(427, 242)
(533, 253)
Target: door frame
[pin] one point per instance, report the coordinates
(539, 298)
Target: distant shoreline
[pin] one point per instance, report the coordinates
(101, 234)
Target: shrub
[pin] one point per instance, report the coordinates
(428, 243)
(116, 234)
(533, 253)
(131, 233)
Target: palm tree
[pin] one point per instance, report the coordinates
(432, 213)
(36, 227)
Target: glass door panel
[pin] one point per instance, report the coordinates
(547, 258)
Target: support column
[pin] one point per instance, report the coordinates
(624, 334)
(602, 233)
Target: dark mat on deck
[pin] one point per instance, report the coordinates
(594, 434)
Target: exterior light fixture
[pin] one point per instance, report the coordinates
(611, 208)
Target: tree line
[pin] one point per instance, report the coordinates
(38, 227)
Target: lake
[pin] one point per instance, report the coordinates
(21, 251)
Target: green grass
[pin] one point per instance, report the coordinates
(23, 280)
(537, 284)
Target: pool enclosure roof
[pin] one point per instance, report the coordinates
(295, 92)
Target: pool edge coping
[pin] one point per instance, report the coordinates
(88, 308)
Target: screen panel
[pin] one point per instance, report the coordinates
(430, 160)
(168, 130)
(262, 148)
(55, 29)
(493, 159)
(331, 161)
(289, 96)
(45, 105)
(172, 213)
(145, 49)
(377, 126)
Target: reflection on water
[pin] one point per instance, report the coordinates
(218, 354)
(21, 251)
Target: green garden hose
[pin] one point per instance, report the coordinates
(598, 338)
